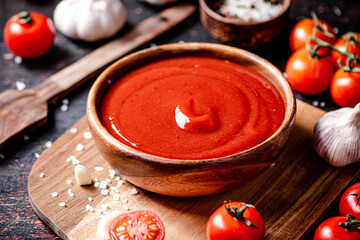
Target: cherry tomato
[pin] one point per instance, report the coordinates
(331, 230)
(304, 29)
(345, 88)
(350, 201)
(29, 35)
(235, 220)
(347, 41)
(137, 225)
(309, 75)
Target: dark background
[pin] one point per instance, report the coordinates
(17, 219)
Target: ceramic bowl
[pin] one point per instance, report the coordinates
(249, 35)
(189, 178)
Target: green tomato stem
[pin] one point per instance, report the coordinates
(350, 224)
(24, 17)
(239, 214)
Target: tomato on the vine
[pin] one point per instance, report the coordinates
(235, 220)
(345, 88)
(304, 29)
(137, 225)
(350, 201)
(338, 228)
(309, 75)
(349, 42)
(29, 34)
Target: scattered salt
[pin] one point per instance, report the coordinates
(73, 130)
(69, 182)
(2, 156)
(322, 104)
(37, 155)
(65, 101)
(26, 137)
(62, 204)
(103, 185)
(315, 103)
(96, 184)
(125, 200)
(20, 85)
(90, 199)
(104, 192)
(89, 208)
(71, 194)
(96, 179)
(17, 60)
(48, 144)
(42, 175)
(80, 147)
(87, 135)
(74, 160)
(99, 169)
(133, 191)
(125, 207)
(116, 197)
(64, 108)
(54, 194)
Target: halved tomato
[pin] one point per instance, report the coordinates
(137, 225)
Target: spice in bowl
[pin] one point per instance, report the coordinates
(249, 10)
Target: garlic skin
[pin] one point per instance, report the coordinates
(158, 2)
(89, 20)
(337, 136)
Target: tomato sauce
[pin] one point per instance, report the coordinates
(192, 108)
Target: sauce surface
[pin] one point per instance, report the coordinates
(192, 108)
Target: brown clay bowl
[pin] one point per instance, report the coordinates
(188, 178)
(249, 35)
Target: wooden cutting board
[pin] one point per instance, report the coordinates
(292, 195)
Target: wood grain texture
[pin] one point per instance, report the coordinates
(18, 117)
(292, 195)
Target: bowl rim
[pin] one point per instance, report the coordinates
(209, 11)
(95, 123)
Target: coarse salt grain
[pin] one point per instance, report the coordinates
(104, 192)
(2, 156)
(90, 199)
(125, 207)
(73, 130)
(69, 182)
(248, 10)
(89, 208)
(96, 179)
(71, 194)
(64, 108)
(17, 60)
(48, 144)
(74, 160)
(96, 184)
(99, 169)
(103, 185)
(42, 175)
(116, 197)
(65, 101)
(20, 85)
(133, 191)
(37, 155)
(62, 204)
(80, 147)
(87, 135)
(125, 200)
(54, 194)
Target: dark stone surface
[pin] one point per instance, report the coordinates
(17, 219)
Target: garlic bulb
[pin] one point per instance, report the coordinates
(337, 136)
(158, 2)
(89, 20)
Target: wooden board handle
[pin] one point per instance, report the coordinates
(62, 82)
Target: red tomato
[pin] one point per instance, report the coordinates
(309, 75)
(137, 225)
(243, 222)
(29, 35)
(331, 230)
(345, 88)
(353, 48)
(304, 29)
(350, 201)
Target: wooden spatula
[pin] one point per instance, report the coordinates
(22, 111)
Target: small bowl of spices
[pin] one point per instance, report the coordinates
(244, 23)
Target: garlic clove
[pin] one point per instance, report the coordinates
(337, 136)
(82, 175)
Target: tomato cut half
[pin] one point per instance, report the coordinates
(137, 225)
